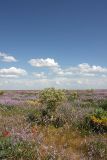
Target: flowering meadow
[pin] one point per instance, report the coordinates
(53, 124)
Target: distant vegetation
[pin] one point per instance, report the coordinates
(1, 92)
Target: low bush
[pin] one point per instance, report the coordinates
(96, 150)
(1, 93)
(99, 120)
(44, 117)
(52, 97)
(19, 150)
(104, 105)
(73, 96)
(34, 116)
(58, 122)
(100, 113)
(96, 122)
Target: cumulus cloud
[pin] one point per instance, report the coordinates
(48, 62)
(4, 57)
(39, 75)
(88, 69)
(61, 72)
(12, 72)
(83, 69)
(92, 69)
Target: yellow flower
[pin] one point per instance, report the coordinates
(102, 121)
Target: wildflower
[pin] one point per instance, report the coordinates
(6, 133)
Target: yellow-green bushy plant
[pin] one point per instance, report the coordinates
(52, 97)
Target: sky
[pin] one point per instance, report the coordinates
(53, 43)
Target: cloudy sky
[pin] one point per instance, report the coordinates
(53, 43)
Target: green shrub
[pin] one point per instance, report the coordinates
(19, 150)
(96, 122)
(99, 120)
(5, 148)
(100, 113)
(34, 116)
(45, 117)
(52, 97)
(85, 127)
(104, 105)
(40, 117)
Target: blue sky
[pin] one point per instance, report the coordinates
(67, 40)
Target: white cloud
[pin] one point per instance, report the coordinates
(4, 57)
(39, 75)
(61, 72)
(81, 76)
(12, 72)
(92, 69)
(83, 69)
(48, 62)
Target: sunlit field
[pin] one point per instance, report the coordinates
(53, 125)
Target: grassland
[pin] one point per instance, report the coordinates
(75, 130)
